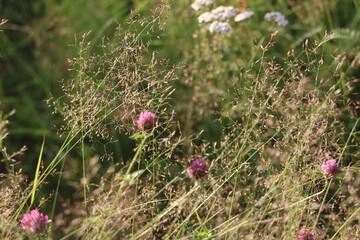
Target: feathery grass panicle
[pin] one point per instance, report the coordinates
(12, 184)
(108, 89)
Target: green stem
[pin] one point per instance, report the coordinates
(57, 190)
(138, 152)
(345, 223)
(84, 171)
(322, 203)
(36, 179)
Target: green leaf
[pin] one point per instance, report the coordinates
(137, 136)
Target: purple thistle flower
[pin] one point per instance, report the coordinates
(330, 167)
(35, 221)
(198, 169)
(147, 120)
(305, 234)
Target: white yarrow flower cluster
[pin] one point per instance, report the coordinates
(206, 17)
(220, 27)
(244, 15)
(222, 13)
(198, 4)
(217, 15)
(278, 17)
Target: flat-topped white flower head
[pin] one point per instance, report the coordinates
(222, 13)
(198, 4)
(220, 27)
(244, 15)
(206, 17)
(277, 17)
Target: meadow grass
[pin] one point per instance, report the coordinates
(264, 106)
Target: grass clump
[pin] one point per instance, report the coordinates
(250, 138)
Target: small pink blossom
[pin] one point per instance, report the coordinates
(147, 121)
(305, 234)
(330, 167)
(198, 169)
(34, 221)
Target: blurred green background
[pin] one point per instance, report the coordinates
(34, 49)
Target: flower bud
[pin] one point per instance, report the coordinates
(147, 121)
(330, 167)
(305, 234)
(34, 221)
(198, 169)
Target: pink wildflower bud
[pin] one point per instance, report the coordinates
(198, 169)
(305, 234)
(147, 121)
(330, 167)
(35, 221)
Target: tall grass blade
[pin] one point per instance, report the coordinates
(37, 172)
